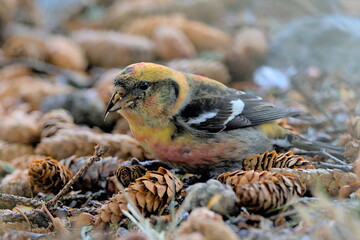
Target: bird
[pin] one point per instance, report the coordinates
(197, 124)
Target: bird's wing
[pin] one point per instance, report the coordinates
(227, 109)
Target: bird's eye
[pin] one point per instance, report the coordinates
(144, 85)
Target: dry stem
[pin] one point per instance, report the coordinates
(99, 152)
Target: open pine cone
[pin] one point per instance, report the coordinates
(267, 161)
(55, 120)
(9, 151)
(262, 191)
(331, 180)
(48, 175)
(128, 174)
(151, 193)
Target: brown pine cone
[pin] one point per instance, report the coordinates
(262, 191)
(17, 187)
(352, 150)
(9, 151)
(211, 69)
(267, 161)
(247, 53)
(29, 46)
(114, 49)
(20, 127)
(31, 90)
(111, 212)
(13, 235)
(48, 175)
(81, 142)
(17, 183)
(353, 125)
(55, 120)
(66, 53)
(205, 37)
(330, 179)
(128, 174)
(14, 71)
(104, 86)
(151, 193)
(171, 43)
(124, 13)
(195, 31)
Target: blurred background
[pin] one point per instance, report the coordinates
(58, 59)
(64, 54)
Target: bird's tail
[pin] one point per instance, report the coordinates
(285, 138)
(305, 144)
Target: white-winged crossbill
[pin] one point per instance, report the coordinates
(197, 123)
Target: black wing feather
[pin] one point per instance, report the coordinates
(199, 114)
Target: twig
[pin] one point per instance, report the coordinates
(322, 151)
(343, 166)
(336, 166)
(17, 200)
(36, 217)
(91, 195)
(99, 152)
(23, 214)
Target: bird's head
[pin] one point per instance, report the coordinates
(148, 88)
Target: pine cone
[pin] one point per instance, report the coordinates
(151, 193)
(48, 175)
(171, 43)
(124, 49)
(246, 54)
(128, 174)
(352, 150)
(205, 37)
(17, 187)
(111, 212)
(20, 127)
(123, 14)
(81, 142)
(9, 151)
(211, 69)
(262, 191)
(66, 53)
(330, 179)
(146, 26)
(14, 71)
(54, 121)
(29, 46)
(13, 235)
(267, 161)
(95, 178)
(353, 125)
(31, 90)
(104, 86)
(17, 183)
(202, 36)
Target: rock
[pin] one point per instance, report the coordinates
(267, 77)
(212, 194)
(331, 43)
